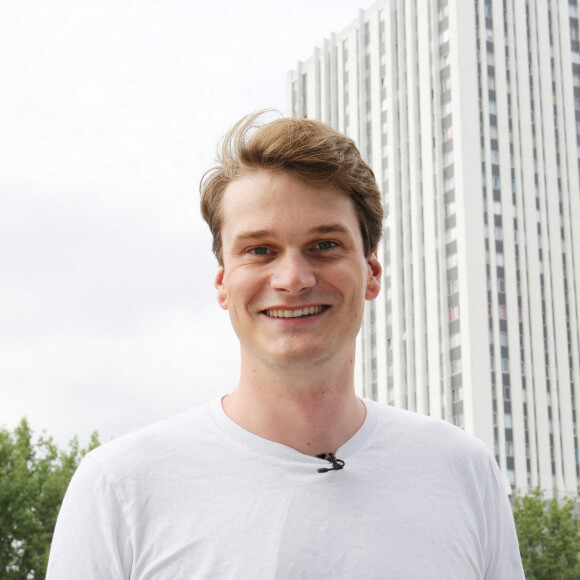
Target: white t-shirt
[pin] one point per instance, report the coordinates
(197, 496)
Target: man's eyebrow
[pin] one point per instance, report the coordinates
(254, 235)
(330, 229)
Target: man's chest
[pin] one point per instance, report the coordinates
(326, 530)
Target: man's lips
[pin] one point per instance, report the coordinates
(295, 312)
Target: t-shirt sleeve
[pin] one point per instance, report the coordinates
(502, 548)
(91, 539)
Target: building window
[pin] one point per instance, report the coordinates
(457, 394)
(511, 477)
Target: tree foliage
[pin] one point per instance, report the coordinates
(549, 537)
(34, 475)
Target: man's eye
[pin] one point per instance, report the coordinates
(326, 245)
(259, 251)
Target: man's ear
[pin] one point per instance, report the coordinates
(222, 296)
(374, 276)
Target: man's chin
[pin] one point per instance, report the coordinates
(296, 356)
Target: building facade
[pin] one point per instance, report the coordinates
(468, 112)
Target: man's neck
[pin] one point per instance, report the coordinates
(314, 412)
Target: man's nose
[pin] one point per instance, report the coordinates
(292, 273)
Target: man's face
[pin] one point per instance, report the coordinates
(295, 277)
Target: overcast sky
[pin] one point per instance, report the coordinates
(110, 112)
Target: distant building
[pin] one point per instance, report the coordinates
(469, 113)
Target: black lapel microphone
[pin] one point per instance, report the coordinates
(336, 464)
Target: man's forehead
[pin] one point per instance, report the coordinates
(256, 204)
(279, 189)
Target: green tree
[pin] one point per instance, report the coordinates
(34, 475)
(549, 537)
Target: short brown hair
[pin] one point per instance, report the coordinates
(309, 150)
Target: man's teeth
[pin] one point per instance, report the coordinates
(278, 313)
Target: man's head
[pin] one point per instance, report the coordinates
(308, 150)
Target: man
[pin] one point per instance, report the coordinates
(290, 475)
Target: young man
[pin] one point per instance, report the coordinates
(290, 475)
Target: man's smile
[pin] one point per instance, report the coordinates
(295, 312)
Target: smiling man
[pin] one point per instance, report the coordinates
(290, 475)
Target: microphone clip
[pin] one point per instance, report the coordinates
(336, 464)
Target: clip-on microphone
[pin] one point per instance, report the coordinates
(336, 464)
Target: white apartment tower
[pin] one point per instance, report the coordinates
(469, 113)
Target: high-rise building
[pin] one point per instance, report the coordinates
(469, 113)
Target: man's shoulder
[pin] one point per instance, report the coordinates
(155, 441)
(413, 429)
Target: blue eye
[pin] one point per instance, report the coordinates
(261, 251)
(326, 245)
